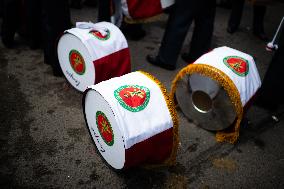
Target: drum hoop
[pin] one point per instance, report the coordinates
(229, 86)
(171, 107)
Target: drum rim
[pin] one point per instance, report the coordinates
(89, 65)
(228, 85)
(90, 134)
(201, 120)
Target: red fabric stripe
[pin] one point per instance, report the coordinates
(153, 150)
(139, 9)
(113, 65)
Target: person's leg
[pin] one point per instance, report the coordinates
(104, 10)
(271, 92)
(258, 20)
(236, 15)
(1, 7)
(203, 31)
(11, 21)
(56, 19)
(177, 27)
(34, 25)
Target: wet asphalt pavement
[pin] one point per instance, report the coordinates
(45, 142)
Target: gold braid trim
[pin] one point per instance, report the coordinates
(142, 20)
(227, 84)
(170, 104)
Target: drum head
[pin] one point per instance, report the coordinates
(104, 129)
(204, 102)
(76, 62)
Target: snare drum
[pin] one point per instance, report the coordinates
(91, 53)
(216, 89)
(132, 121)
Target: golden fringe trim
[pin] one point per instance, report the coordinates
(227, 84)
(170, 104)
(142, 20)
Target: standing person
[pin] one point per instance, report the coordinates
(55, 20)
(47, 20)
(270, 95)
(184, 12)
(34, 23)
(11, 21)
(259, 10)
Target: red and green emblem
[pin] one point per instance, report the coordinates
(238, 65)
(133, 97)
(99, 35)
(77, 62)
(104, 128)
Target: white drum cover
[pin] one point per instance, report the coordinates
(129, 120)
(91, 53)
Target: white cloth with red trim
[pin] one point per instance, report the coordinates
(99, 48)
(102, 49)
(239, 66)
(141, 125)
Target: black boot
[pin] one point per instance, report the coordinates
(156, 62)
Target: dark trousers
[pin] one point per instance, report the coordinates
(34, 22)
(202, 13)
(258, 18)
(55, 19)
(1, 7)
(104, 10)
(271, 94)
(11, 20)
(237, 11)
(47, 20)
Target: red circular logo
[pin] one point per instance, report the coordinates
(104, 128)
(77, 62)
(238, 65)
(132, 97)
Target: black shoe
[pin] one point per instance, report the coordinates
(133, 32)
(46, 60)
(33, 44)
(231, 30)
(57, 72)
(153, 60)
(187, 58)
(8, 43)
(272, 107)
(261, 35)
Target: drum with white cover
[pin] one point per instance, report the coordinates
(132, 121)
(91, 53)
(214, 90)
